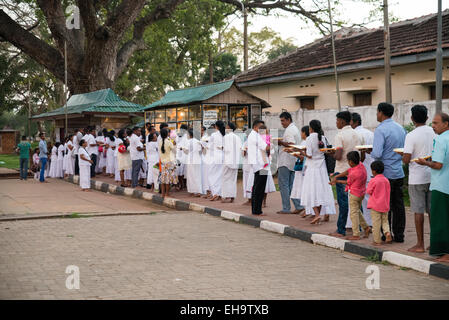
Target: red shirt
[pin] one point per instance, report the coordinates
(357, 180)
(379, 191)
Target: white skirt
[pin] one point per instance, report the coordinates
(59, 169)
(316, 190)
(64, 162)
(103, 160)
(128, 174)
(297, 185)
(269, 187)
(70, 165)
(85, 177)
(215, 178)
(246, 175)
(110, 162)
(143, 170)
(205, 176)
(52, 172)
(193, 176)
(229, 182)
(151, 173)
(117, 171)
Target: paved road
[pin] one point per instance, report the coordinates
(186, 255)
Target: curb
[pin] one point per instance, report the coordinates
(421, 265)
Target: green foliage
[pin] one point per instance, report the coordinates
(409, 127)
(225, 66)
(10, 161)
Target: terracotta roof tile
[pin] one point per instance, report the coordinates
(407, 37)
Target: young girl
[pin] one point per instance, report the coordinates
(316, 192)
(104, 155)
(65, 157)
(36, 164)
(85, 163)
(70, 166)
(128, 172)
(299, 175)
(379, 203)
(54, 161)
(152, 160)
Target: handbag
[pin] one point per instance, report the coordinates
(329, 159)
(299, 165)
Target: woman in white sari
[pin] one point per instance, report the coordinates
(316, 192)
(70, 166)
(84, 162)
(216, 144)
(192, 150)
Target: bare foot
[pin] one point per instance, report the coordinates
(388, 239)
(326, 218)
(417, 249)
(444, 258)
(317, 220)
(352, 238)
(377, 244)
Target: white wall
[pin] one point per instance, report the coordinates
(301, 118)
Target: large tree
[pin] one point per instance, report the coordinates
(111, 32)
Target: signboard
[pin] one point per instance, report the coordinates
(210, 117)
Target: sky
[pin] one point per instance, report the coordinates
(354, 11)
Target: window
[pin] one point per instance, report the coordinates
(362, 99)
(171, 115)
(256, 113)
(307, 103)
(433, 92)
(183, 113)
(239, 116)
(160, 116)
(195, 113)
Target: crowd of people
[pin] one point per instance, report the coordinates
(368, 174)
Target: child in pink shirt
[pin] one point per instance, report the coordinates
(379, 202)
(356, 185)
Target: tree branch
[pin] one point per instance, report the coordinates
(34, 47)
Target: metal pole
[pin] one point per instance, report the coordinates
(334, 56)
(65, 89)
(29, 109)
(245, 39)
(388, 92)
(439, 62)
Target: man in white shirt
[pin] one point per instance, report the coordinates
(419, 144)
(181, 142)
(367, 138)
(92, 148)
(137, 155)
(345, 141)
(286, 164)
(256, 145)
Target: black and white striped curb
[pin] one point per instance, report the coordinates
(398, 259)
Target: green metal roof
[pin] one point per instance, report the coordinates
(102, 101)
(189, 95)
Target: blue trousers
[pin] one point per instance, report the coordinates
(285, 180)
(343, 207)
(24, 168)
(43, 164)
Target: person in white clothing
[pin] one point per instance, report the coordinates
(60, 161)
(216, 143)
(70, 167)
(232, 149)
(92, 148)
(85, 164)
(367, 138)
(419, 144)
(110, 152)
(153, 162)
(64, 161)
(206, 162)
(54, 161)
(192, 149)
(299, 173)
(137, 155)
(247, 172)
(181, 156)
(316, 192)
(101, 160)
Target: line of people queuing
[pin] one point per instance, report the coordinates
(368, 180)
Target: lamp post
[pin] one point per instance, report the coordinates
(439, 62)
(337, 85)
(66, 131)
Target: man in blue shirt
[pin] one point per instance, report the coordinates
(388, 136)
(43, 154)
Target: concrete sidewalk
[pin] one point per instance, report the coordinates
(274, 204)
(32, 198)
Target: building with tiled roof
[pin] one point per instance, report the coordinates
(305, 77)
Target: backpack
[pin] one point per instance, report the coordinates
(329, 159)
